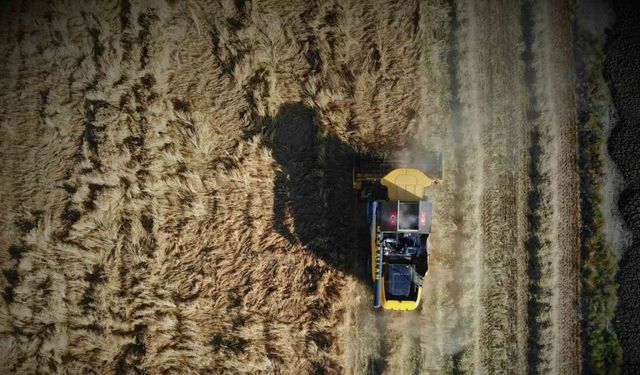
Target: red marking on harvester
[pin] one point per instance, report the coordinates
(423, 218)
(392, 218)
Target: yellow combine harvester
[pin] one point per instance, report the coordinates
(399, 222)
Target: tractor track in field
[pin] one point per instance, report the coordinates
(557, 87)
(513, 135)
(533, 242)
(493, 71)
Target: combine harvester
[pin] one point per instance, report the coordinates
(399, 222)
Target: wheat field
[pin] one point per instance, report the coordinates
(166, 172)
(176, 186)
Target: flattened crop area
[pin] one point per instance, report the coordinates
(503, 292)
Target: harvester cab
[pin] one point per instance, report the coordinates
(399, 222)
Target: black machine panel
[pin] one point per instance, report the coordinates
(396, 216)
(399, 282)
(388, 214)
(424, 217)
(408, 217)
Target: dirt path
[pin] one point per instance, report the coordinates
(560, 86)
(493, 106)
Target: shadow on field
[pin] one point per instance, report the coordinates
(314, 203)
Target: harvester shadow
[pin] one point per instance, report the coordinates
(314, 203)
